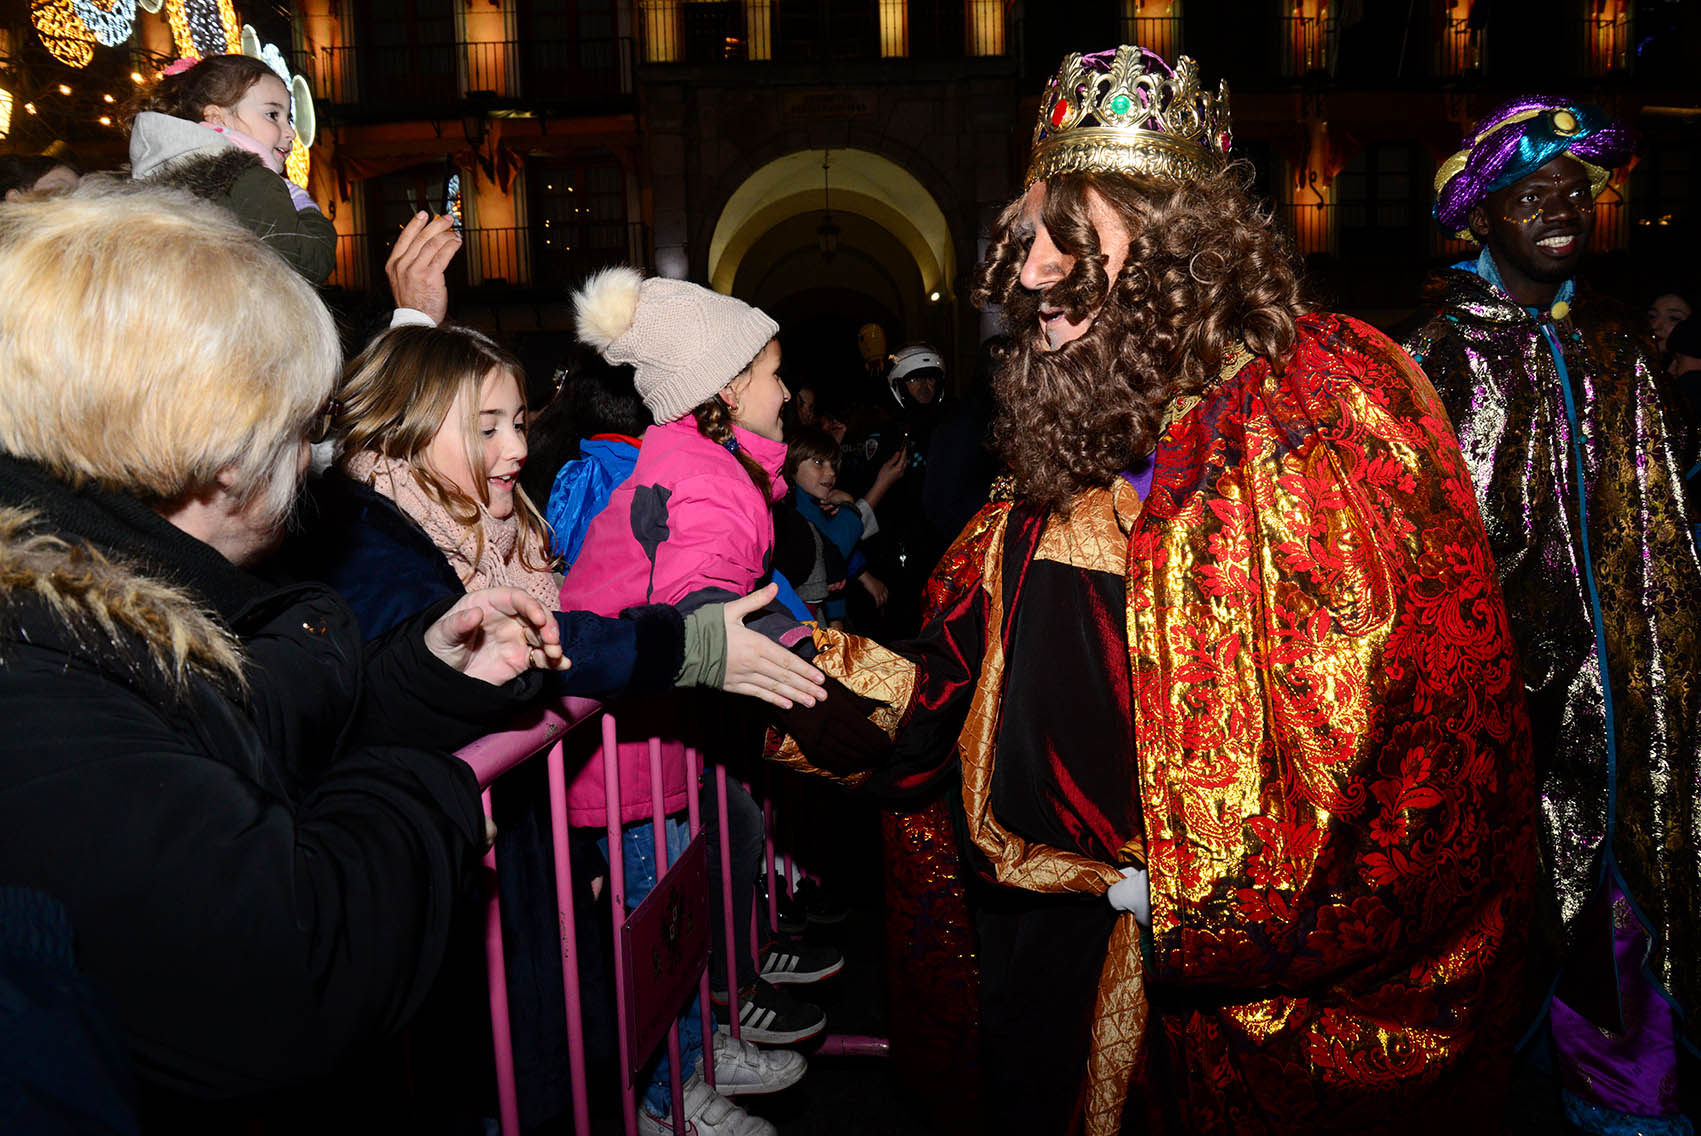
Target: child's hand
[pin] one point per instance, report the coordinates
(875, 587)
(894, 468)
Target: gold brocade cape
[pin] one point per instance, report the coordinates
(1620, 776)
(1332, 748)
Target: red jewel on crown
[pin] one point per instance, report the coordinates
(1059, 112)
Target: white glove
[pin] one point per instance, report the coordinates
(1132, 893)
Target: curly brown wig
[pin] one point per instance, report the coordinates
(1206, 269)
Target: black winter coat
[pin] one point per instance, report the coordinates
(254, 819)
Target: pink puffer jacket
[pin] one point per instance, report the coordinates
(688, 528)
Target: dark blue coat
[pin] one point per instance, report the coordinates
(385, 566)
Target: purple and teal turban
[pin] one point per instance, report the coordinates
(1518, 138)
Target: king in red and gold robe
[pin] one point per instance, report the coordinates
(1280, 677)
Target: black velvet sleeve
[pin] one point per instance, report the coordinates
(248, 942)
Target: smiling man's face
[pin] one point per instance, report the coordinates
(1537, 228)
(1046, 265)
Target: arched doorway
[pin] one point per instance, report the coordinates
(827, 240)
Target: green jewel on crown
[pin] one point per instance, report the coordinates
(1129, 112)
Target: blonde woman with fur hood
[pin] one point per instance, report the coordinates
(255, 821)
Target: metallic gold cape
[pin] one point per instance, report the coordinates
(1333, 755)
(1640, 798)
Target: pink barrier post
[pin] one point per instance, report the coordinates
(693, 793)
(617, 896)
(789, 791)
(507, 1098)
(658, 829)
(768, 857)
(853, 1045)
(726, 907)
(569, 933)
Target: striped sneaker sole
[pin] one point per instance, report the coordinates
(761, 1025)
(781, 967)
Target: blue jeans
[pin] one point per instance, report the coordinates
(637, 847)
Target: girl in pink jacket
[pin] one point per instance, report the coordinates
(690, 526)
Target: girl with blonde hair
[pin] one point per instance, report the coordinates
(429, 435)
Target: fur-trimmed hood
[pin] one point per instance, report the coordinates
(174, 151)
(104, 605)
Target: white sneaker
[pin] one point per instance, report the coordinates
(741, 1069)
(707, 1113)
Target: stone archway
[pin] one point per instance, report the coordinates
(894, 252)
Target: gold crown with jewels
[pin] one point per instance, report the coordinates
(1129, 112)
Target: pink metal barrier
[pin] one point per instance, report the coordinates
(542, 730)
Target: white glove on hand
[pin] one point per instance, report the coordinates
(1132, 893)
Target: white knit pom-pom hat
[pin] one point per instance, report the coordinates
(684, 342)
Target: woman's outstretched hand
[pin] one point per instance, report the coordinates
(760, 667)
(497, 634)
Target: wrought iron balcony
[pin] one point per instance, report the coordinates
(571, 73)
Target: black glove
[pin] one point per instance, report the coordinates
(835, 733)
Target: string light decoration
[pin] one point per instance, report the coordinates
(111, 22)
(203, 27)
(62, 32)
(299, 163)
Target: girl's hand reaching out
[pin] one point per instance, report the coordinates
(761, 668)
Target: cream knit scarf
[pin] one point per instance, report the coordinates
(503, 562)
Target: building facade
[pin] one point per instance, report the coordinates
(840, 162)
